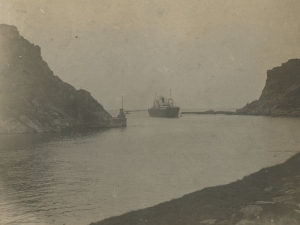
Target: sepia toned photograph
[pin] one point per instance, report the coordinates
(149, 112)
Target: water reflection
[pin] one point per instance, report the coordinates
(78, 177)
(28, 175)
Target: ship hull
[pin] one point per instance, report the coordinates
(169, 112)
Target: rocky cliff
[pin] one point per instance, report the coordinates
(281, 94)
(33, 99)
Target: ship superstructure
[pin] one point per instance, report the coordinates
(164, 107)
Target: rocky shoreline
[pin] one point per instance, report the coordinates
(268, 197)
(281, 94)
(33, 99)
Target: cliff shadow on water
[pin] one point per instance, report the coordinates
(28, 168)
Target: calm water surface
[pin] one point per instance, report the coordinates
(86, 176)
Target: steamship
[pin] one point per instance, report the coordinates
(163, 107)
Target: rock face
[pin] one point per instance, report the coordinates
(281, 95)
(32, 99)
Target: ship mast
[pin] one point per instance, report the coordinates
(121, 113)
(170, 99)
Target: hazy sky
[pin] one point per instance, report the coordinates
(211, 53)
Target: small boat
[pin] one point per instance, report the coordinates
(163, 107)
(121, 120)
